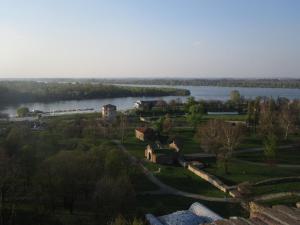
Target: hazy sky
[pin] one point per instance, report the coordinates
(147, 38)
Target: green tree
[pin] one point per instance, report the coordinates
(68, 174)
(189, 102)
(10, 186)
(270, 147)
(22, 111)
(114, 196)
(235, 96)
(167, 124)
(116, 163)
(158, 124)
(17, 137)
(195, 115)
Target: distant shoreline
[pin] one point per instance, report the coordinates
(293, 83)
(249, 83)
(36, 91)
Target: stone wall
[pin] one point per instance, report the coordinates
(209, 178)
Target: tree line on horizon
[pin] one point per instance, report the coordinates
(32, 91)
(222, 82)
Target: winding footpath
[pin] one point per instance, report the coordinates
(290, 166)
(248, 150)
(165, 189)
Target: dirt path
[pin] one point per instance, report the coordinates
(164, 188)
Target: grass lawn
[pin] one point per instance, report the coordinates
(226, 117)
(276, 188)
(284, 156)
(288, 201)
(184, 180)
(174, 176)
(251, 141)
(141, 183)
(240, 172)
(135, 146)
(190, 144)
(165, 204)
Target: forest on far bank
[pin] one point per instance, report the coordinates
(34, 91)
(222, 82)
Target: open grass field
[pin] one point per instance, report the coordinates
(175, 176)
(226, 117)
(184, 180)
(190, 142)
(276, 188)
(135, 146)
(250, 141)
(283, 156)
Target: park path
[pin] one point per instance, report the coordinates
(258, 149)
(289, 166)
(246, 150)
(165, 189)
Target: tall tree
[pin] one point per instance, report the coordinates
(235, 96)
(270, 147)
(22, 111)
(220, 138)
(268, 119)
(123, 126)
(195, 114)
(167, 124)
(288, 118)
(230, 137)
(9, 186)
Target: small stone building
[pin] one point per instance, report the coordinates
(156, 154)
(109, 112)
(144, 133)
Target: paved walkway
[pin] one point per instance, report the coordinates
(273, 196)
(165, 189)
(290, 166)
(246, 150)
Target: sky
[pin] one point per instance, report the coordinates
(150, 38)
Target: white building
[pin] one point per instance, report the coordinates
(197, 214)
(109, 112)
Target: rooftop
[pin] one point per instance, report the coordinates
(110, 106)
(195, 215)
(144, 129)
(277, 215)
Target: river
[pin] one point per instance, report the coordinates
(199, 92)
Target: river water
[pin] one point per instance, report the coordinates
(199, 92)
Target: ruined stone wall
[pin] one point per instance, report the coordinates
(209, 178)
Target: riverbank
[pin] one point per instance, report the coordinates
(32, 91)
(125, 103)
